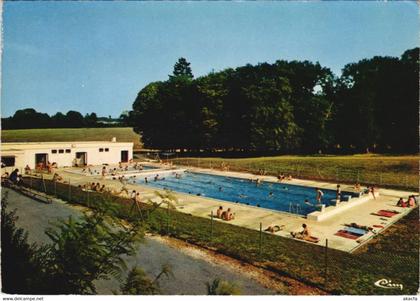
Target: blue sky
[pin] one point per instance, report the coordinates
(96, 56)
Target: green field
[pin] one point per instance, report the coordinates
(82, 134)
(385, 171)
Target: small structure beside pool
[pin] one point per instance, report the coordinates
(65, 154)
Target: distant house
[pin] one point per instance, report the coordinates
(65, 154)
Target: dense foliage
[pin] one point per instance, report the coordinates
(31, 119)
(284, 107)
(81, 251)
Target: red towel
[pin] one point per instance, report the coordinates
(378, 226)
(346, 234)
(385, 213)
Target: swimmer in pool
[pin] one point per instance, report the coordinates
(220, 188)
(270, 194)
(285, 188)
(308, 203)
(242, 196)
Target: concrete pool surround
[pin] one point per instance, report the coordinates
(323, 224)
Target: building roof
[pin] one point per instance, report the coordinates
(16, 146)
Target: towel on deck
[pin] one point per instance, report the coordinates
(347, 234)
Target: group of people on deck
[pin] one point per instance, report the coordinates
(411, 202)
(13, 178)
(226, 215)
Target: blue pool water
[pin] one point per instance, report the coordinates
(277, 196)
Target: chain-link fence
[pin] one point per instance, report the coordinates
(316, 265)
(313, 172)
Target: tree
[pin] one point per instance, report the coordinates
(21, 262)
(88, 249)
(74, 119)
(138, 283)
(29, 118)
(294, 107)
(221, 287)
(59, 120)
(91, 120)
(81, 252)
(182, 69)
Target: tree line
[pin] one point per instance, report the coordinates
(31, 119)
(285, 107)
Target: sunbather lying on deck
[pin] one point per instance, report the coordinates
(275, 228)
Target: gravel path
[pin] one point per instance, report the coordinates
(190, 273)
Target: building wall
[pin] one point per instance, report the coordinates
(25, 155)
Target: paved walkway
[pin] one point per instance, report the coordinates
(251, 217)
(190, 272)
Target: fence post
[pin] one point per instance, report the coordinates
(167, 220)
(211, 226)
(326, 262)
(69, 191)
(43, 185)
(260, 243)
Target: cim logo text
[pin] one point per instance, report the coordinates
(386, 283)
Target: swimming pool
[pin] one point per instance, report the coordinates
(276, 196)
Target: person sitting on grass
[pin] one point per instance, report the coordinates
(228, 215)
(304, 234)
(219, 212)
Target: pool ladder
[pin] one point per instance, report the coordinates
(294, 208)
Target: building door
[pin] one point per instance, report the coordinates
(41, 160)
(124, 156)
(81, 159)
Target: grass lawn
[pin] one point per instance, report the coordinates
(393, 255)
(82, 134)
(385, 171)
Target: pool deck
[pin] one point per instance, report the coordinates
(251, 217)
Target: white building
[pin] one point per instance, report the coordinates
(65, 154)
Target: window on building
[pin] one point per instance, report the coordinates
(7, 161)
(54, 151)
(68, 151)
(101, 150)
(61, 151)
(107, 149)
